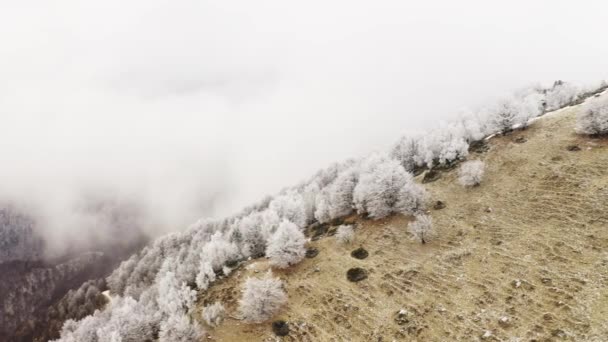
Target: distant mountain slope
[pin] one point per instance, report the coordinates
(31, 284)
(524, 256)
(18, 239)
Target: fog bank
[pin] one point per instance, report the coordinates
(179, 110)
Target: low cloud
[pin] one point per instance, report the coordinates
(197, 108)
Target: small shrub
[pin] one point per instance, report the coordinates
(422, 228)
(471, 173)
(214, 314)
(345, 234)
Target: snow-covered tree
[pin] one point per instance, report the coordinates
(412, 198)
(205, 275)
(382, 184)
(471, 173)
(561, 94)
(214, 314)
(592, 119)
(407, 152)
(218, 251)
(472, 126)
(262, 298)
(174, 298)
(290, 206)
(531, 106)
(254, 231)
(84, 330)
(286, 245)
(341, 193)
(505, 114)
(128, 321)
(442, 146)
(422, 228)
(309, 196)
(345, 234)
(180, 328)
(322, 207)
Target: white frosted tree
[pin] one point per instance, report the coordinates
(382, 184)
(592, 119)
(561, 94)
(473, 127)
(213, 314)
(205, 275)
(128, 321)
(505, 114)
(180, 328)
(286, 246)
(309, 196)
(471, 173)
(322, 207)
(412, 198)
(254, 231)
(290, 206)
(341, 193)
(407, 152)
(218, 251)
(345, 234)
(262, 298)
(422, 228)
(174, 298)
(531, 106)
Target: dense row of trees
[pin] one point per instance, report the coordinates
(155, 289)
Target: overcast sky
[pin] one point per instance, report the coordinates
(201, 107)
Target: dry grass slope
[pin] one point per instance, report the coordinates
(523, 257)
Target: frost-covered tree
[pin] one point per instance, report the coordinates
(84, 330)
(505, 114)
(213, 314)
(531, 106)
(561, 94)
(412, 198)
(174, 298)
(382, 185)
(205, 275)
(218, 251)
(254, 231)
(309, 196)
(290, 206)
(443, 146)
(341, 193)
(422, 228)
(180, 328)
(471, 173)
(262, 298)
(592, 119)
(322, 207)
(472, 126)
(286, 245)
(407, 152)
(345, 234)
(128, 321)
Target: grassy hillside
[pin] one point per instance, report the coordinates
(521, 257)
